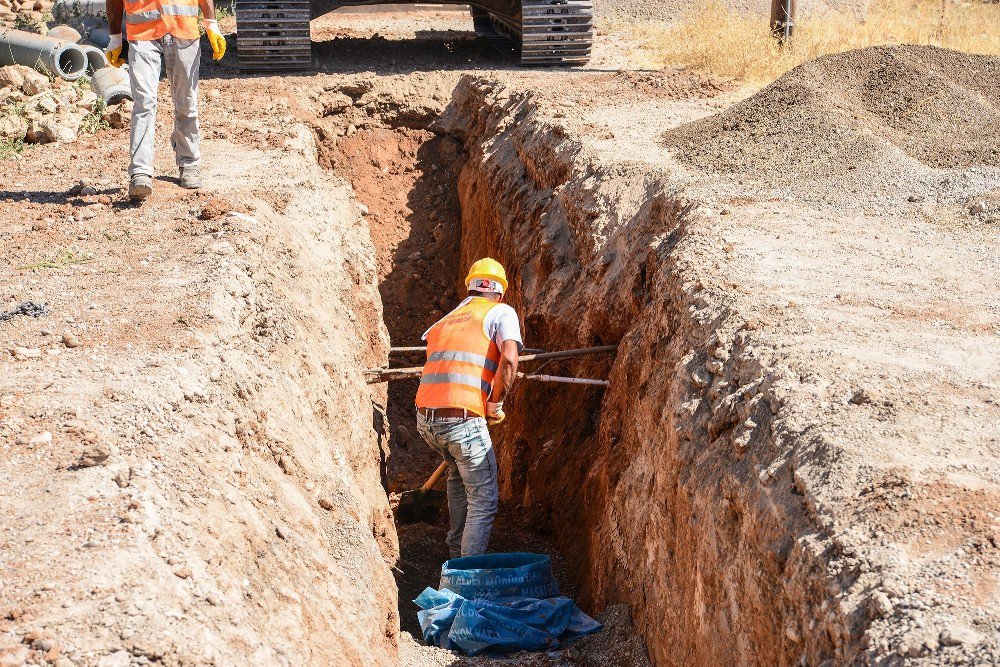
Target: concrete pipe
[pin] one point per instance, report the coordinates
(111, 84)
(96, 60)
(45, 54)
(99, 37)
(65, 33)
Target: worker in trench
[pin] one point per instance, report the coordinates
(157, 31)
(471, 364)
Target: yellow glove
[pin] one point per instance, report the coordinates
(495, 413)
(215, 38)
(114, 51)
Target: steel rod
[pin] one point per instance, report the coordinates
(566, 380)
(423, 348)
(389, 374)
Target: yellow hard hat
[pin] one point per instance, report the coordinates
(487, 268)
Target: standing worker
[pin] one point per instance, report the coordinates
(471, 364)
(160, 30)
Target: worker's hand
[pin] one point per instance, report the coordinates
(215, 38)
(114, 51)
(495, 413)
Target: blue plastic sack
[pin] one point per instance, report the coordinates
(514, 606)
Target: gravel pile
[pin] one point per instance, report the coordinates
(35, 110)
(858, 126)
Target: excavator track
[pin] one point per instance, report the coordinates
(273, 35)
(549, 32)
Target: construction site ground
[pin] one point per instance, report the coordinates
(193, 470)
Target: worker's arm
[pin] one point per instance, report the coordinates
(507, 372)
(207, 9)
(502, 381)
(115, 9)
(215, 38)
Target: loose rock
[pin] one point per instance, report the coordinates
(94, 455)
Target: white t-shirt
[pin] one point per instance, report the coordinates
(500, 324)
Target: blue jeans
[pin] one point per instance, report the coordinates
(472, 479)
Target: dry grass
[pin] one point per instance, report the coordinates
(721, 42)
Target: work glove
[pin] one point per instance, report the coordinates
(495, 413)
(215, 38)
(114, 51)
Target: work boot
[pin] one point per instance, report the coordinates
(140, 187)
(190, 178)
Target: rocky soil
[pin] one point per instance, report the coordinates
(37, 110)
(795, 462)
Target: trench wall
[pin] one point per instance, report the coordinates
(673, 491)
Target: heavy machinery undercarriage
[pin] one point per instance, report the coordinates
(273, 35)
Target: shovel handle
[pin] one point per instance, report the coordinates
(435, 476)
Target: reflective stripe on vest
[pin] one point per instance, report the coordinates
(461, 360)
(146, 20)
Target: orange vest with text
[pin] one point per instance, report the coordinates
(146, 20)
(461, 360)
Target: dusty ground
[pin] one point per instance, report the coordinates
(236, 464)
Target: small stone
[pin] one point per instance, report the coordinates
(42, 644)
(700, 378)
(88, 191)
(879, 605)
(39, 225)
(184, 572)
(283, 532)
(977, 208)
(94, 455)
(123, 477)
(21, 441)
(915, 199)
(70, 340)
(956, 635)
(25, 353)
(860, 397)
(43, 438)
(325, 503)
(792, 633)
(364, 209)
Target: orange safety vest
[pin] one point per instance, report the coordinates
(461, 360)
(146, 20)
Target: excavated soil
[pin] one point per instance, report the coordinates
(796, 460)
(858, 127)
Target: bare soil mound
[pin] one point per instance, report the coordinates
(881, 116)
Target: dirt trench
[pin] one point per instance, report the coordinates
(711, 492)
(406, 174)
(598, 480)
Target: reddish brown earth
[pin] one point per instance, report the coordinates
(795, 461)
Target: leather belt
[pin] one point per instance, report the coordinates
(446, 413)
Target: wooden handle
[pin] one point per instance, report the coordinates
(435, 476)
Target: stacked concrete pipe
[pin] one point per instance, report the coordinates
(64, 59)
(111, 84)
(96, 60)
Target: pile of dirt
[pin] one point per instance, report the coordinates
(35, 110)
(858, 123)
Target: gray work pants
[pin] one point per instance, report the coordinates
(144, 58)
(472, 479)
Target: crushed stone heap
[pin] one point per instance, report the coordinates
(873, 120)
